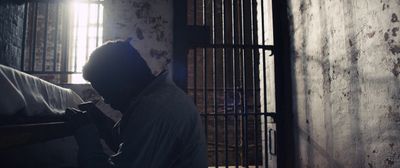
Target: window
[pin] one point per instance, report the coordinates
(59, 37)
(87, 33)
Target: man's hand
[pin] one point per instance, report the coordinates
(96, 115)
(77, 118)
(103, 123)
(85, 132)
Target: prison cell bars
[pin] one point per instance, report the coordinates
(31, 42)
(239, 47)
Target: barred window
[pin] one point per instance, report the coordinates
(59, 37)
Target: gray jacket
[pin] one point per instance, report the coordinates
(160, 129)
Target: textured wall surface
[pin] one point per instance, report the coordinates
(11, 19)
(346, 57)
(148, 22)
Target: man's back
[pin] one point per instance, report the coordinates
(162, 128)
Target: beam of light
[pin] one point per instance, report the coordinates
(86, 35)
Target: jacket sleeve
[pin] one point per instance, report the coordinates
(90, 153)
(147, 144)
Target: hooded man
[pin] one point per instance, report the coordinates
(160, 126)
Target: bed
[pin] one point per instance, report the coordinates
(32, 123)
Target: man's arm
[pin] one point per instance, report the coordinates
(103, 123)
(149, 143)
(90, 153)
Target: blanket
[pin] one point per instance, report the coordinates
(24, 95)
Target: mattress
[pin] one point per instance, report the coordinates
(24, 97)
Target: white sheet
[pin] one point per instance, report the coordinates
(31, 96)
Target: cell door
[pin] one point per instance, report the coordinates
(227, 68)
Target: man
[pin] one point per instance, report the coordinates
(160, 126)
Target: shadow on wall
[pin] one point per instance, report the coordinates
(304, 80)
(346, 109)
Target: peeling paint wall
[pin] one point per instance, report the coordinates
(346, 58)
(148, 22)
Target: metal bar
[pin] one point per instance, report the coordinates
(213, 13)
(49, 72)
(205, 75)
(254, 61)
(244, 79)
(14, 135)
(240, 46)
(97, 24)
(33, 55)
(65, 43)
(234, 53)
(55, 38)
(224, 27)
(265, 86)
(45, 38)
(228, 89)
(268, 114)
(87, 31)
(22, 63)
(76, 27)
(62, 1)
(195, 57)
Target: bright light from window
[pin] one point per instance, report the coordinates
(86, 35)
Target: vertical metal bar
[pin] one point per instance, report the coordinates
(76, 28)
(24, 36)
(265, 112)
(224, 27)
(195, 58)
(234, 41)
(244, 79)
(214, 12)
(283, 85)
(87, 31)
(34, 37)
(97, 23)
(205, 78)
(55, 38)
(255, 51)
(264, 86)
(65, 35)
(45, 37)
(225, 83)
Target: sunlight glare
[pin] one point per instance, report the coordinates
(87, 28)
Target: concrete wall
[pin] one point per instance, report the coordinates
(149, 23)
(346, 58)
(11, 20)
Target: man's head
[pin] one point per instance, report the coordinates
(117, 72)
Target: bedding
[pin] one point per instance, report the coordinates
(26, 96)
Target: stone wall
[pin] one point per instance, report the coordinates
(11, 20)
(346, 57)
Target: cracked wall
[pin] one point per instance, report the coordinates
(346, 58)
